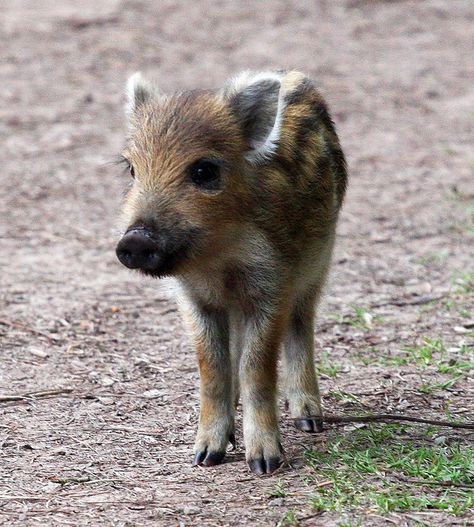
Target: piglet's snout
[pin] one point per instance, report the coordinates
(138, 250)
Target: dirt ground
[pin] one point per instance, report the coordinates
(112, 442)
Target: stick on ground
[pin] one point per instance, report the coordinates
(334, 419)
(34, 395)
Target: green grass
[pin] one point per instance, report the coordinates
(463, 224)
(442, 385)
(379, 468)
(459, 305)
(288, 519)
(420, 355)
(346, 397)
(425, 353)
(434, 257)
(327, 366)
(457, 363)
(432, 356)
(350, 523)
(460, 297)
(361, 318)
(279, 490)
(465, 282)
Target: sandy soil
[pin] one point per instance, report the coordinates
(399, 80)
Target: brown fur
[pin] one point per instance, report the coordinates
(260, 245)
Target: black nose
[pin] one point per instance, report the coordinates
(138, 250)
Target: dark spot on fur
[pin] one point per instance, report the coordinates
(325, 118)
(287, 166)
(323, 165)
(307, 126)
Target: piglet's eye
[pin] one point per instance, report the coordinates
(132, 171)
(206, 174)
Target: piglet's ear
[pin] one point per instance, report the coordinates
(256, 101)
(139, 91)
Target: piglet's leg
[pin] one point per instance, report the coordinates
(258, 376)
(216, 419)
(300, 379)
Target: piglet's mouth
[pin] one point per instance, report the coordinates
(152, 254)
(167, 266)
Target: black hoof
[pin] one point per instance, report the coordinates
(311, 426)
(208, 459)
(263, 466)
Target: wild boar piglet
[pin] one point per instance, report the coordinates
(236, 194)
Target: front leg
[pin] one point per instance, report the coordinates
(216, 418)
(258, 376)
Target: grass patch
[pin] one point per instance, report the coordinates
(463, 224)
(288, 519)
(432, 355)
(464, 282)
(327, 366)
(361, 318)
(379, 468)
(434, 257)
(442, 385)
(425, 354)
(346, 397)
(451, 304)
(279, 490)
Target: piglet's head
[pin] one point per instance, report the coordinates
(194, 158)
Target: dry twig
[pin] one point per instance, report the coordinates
(24, 327)
(417, 301)
(34, 395)
(70, 479)
(335, 419)
(436, 483)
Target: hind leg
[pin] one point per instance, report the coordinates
(299, 374)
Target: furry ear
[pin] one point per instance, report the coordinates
(139, 91)
(257, 102)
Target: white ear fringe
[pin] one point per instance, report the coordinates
(262, 151)
(138, 90)
(132, 82)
